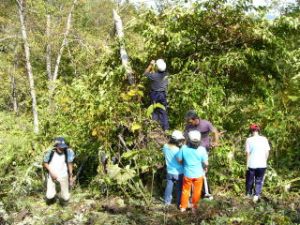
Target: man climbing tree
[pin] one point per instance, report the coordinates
(159, 83)
(58, 161)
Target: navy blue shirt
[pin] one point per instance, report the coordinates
(159, 81)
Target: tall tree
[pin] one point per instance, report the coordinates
(21, 9)
(62, 47)
(48, 46)
(12, 74)
(123, 52)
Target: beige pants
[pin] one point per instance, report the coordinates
(64, 187)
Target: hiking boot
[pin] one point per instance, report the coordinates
(63, 202)
(255, 198)
(50, 201)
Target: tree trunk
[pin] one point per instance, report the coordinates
(123, 53)
(13, 82)
(14, 91)
(48, 47)
(59, 55)
(28, 67)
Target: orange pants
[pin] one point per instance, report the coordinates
(186, 190)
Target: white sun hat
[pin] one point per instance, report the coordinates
(161, 65)
(194, 136)
(177, 135)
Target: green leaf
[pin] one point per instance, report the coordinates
(129, 154)
(135, 127)
(293, 98)
(152, 107)
(113, 170)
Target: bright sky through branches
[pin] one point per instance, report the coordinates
(276, 4)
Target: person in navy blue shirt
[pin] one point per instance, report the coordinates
(158, 93)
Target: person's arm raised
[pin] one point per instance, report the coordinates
(148, 69)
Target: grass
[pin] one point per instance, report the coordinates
(22, 196)
(87, 209)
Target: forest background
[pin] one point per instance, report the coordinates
(61, 75)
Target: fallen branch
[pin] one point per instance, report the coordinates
(123, 142)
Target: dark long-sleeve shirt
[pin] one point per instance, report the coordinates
(204, 127)
(159, 81)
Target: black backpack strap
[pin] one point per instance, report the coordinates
(46, 172)
(51, 155)
(66, 160)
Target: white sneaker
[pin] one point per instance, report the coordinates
(182, 209)
(248, 196)
(255, 198)
(208, 197)
(190, 205)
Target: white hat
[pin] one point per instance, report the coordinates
(177, 135)
(161, 65)
(194, 136)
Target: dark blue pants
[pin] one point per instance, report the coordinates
(159, 114)
(254, 176)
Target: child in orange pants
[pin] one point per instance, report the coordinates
(193, 157)
(186, 190)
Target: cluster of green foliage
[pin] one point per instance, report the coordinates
(226, 61)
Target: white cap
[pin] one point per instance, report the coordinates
(194, 136)
(161, 65)
(177, 135)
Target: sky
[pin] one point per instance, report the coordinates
(264, 2)
(278, 4)
(256, 2)
(273, 14)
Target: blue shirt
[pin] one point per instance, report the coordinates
(159, 81)
(173, 166)
(192, 161)
(70, 153)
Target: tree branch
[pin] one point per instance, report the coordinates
(48, 47)
(123, 53)
(10, 37)
(63, 44)
(28, 67)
